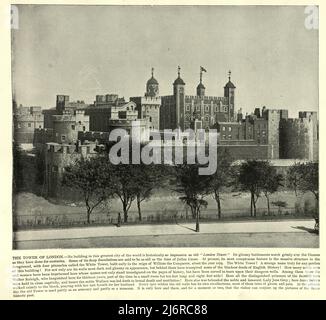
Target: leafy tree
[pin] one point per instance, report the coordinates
(193, 187)
(93, 177)
(307, 178)
(271, 181)
(221, 178)
(147, 178)
(126, 186)
(251, 178)
(293, 177)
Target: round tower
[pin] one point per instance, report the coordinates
(152, 86)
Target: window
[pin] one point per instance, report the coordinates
(187, 108)
(73, 127)
(29, 125)
(84, 128)
(223, 136)
(206, 118)
(216, 108)
(63, 138)
(19, 126)
(230, 128)
(197, 108)
(223, 128)
(230, 137)
(207, 108)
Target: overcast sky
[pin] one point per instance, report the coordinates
(82, 51)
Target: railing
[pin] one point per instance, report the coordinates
(78, 219)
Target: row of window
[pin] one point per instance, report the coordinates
(206, 108)
(188, 117)
(149, 107)
(249, 129)
(29, 125)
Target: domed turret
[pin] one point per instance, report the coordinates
(178, 81)
(201, 87)
(229, 85)
(152, 89)
(229, 89)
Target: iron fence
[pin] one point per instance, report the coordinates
(77, 219)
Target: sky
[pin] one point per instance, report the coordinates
(82, 51)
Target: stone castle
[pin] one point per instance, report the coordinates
(75, 129)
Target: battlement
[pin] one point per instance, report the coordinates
(29, 117)
(150, 100)
(295, 121)
(307, 114)
(93, 136)
(80, 112)
(64, 117)
(84, 149)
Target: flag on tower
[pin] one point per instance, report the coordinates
(203, 69)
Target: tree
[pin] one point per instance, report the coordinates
(307, 178)
(221, 177)
(271, 181)
(293, 177)
(193, 187)
(251, 178)
(93, 177)
(147, 177)
(125, 186)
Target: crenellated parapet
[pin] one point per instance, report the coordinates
(60, 148)
(94, 136)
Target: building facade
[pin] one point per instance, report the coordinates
(149, 105)
(180, 110)
(26, 120)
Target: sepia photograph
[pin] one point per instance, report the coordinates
(165, 126)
